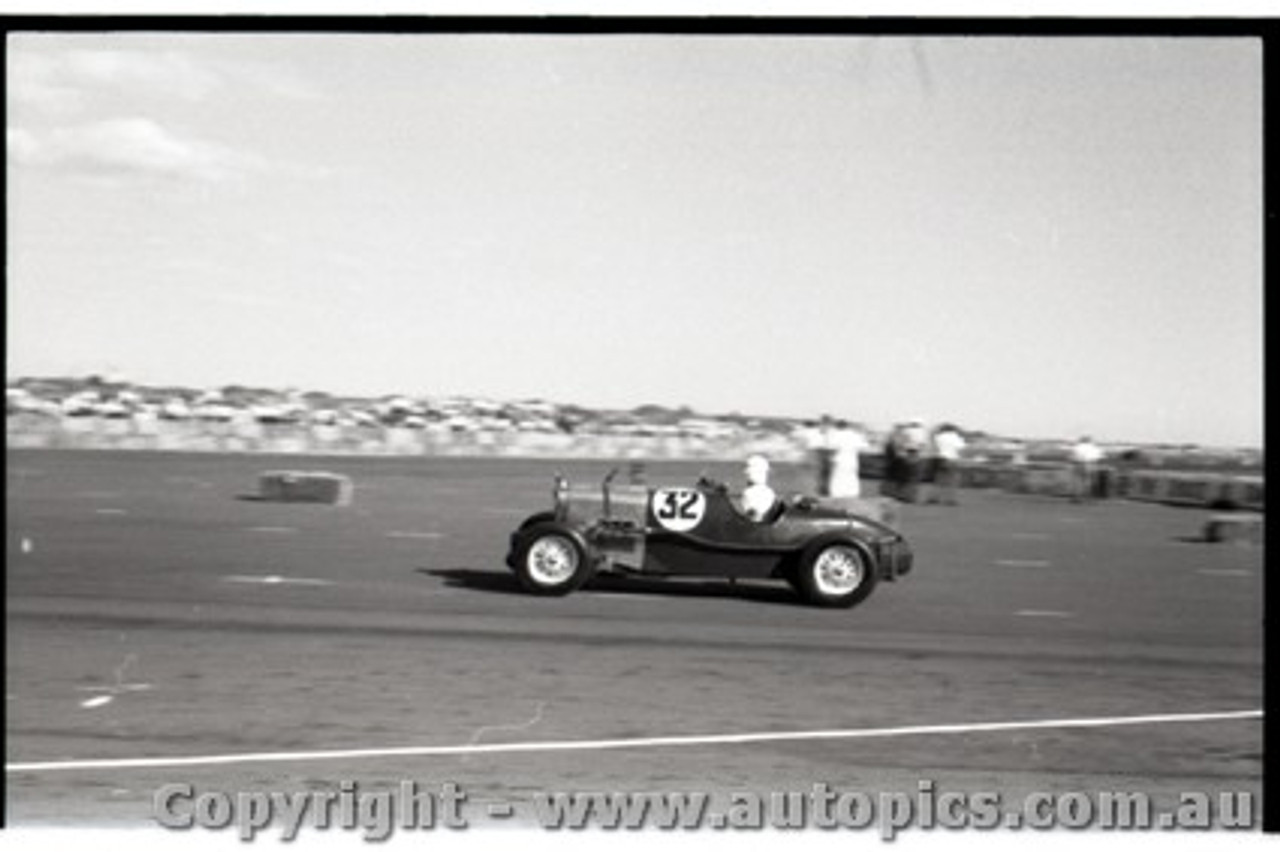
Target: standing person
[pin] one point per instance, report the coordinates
(846, 444)
(947, 444)
(891, 474)
(1018, 454)
(1085, 455)
(913, 441)
(818, 446)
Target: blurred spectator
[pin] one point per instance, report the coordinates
(845, 443)
(890, 475)
(905, 455)
(947, 445)
(1085, 455)
(816, 438)
(1019, 457)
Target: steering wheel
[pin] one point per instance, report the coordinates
(707, 483)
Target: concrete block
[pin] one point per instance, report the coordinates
(296, 486)
(1243, 528)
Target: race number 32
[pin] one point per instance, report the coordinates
(679, 509)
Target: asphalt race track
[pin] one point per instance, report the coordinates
(152, 612)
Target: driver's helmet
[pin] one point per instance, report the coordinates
(757, 469)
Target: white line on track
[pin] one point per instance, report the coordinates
(1225, 572)
(1043, 613)
(273, 529)
(276, 580)
(632, 743)
(110, 511)
(1023, 563)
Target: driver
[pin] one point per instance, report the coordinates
(758, 498)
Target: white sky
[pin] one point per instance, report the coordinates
(1031, 236)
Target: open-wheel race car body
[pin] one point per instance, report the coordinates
(830, 555)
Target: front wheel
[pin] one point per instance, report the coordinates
(551, 561)
(836, 574)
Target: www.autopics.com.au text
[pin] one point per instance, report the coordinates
(409, 806)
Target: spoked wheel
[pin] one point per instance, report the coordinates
(836, 574)
(551, 561)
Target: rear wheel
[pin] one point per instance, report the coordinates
(551, 561)
(836, 574)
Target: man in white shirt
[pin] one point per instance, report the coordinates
(947, 444)
(1085, 455)
(846, 444)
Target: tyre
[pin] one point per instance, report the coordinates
(836, 574)
(552, 560)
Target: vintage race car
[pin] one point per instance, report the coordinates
(829, 555)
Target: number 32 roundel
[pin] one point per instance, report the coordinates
(679, 509)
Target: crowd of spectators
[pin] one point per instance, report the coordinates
(33, 400)
(63, 399)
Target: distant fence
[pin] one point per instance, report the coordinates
(1209, 489)
(1194, 489)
